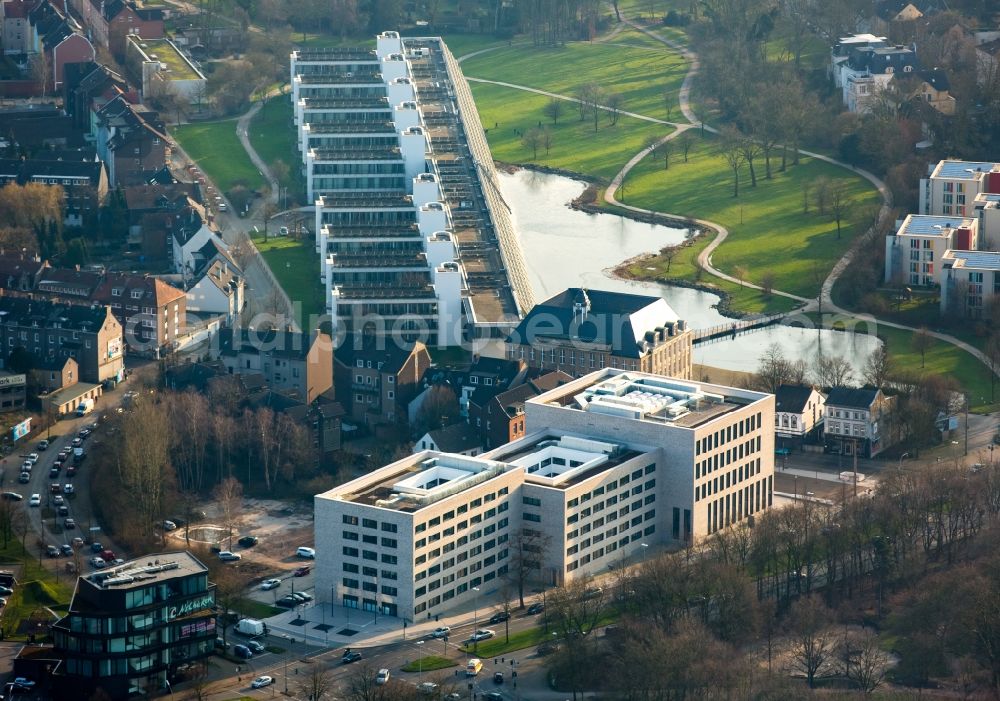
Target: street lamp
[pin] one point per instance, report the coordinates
(796, 482)
(645, 547)
(286, 666)
(475, 622)
(899, 464)
(420, 661)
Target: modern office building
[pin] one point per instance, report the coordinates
(413, 235)
(130, 627)
(612, 461)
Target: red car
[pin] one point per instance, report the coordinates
(301, 571)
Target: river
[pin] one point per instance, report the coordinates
(564, 247)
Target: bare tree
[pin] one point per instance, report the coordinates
(228, 495)
(740, 272)
(867, 662)
(822, 189)
(547, 139)
(751, 149)
(838, 203)
(767, 280)
(832, 371)
(731, 151)
(613, 101)
(553, 109)
(667, 255)
(684, 142)
(527, 548)
(878, 367)
(532, 139)
(318, 684)
(922, 342)
(812, 642)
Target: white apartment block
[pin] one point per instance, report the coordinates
(951, 187)
(969, 280)
(414, 238)
(913, 254)
(986, 208)
(614, 461)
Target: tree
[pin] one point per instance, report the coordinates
(613, 102)
(812, 642)
(684, 142)
(878, 367)
(731, 151)
(838, 203)
(547, 139)
(774, 370)
(667, 255)
(229, 585)
(751, 149)
(527, 549)
(832, 371)
(822, 190)
(532, 139)
(922, 342)
(806, 195)
(867, 662)
(740, 272)
(553, 109)
(228, 494)
(439, 409)
(143, 467)
(41, 71)
(318, 684)
(767, 280)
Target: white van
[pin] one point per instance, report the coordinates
(473, 666)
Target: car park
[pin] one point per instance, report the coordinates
(261, 682)
(382, 677)
(269, 584)
(500, 617)
(482, 634)
(35, 500)
(301, 571)
(227, 556)
(306, 552)
(441, 632)
(248, 541)
(351, 656)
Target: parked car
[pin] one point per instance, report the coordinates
(35, 500)
(68, 488)
(536, 608)
(500, 617)
(221, 644)
(301, 571)
(248, 541)
(66, 549)
(96, 547)
(169, 526)
(84, 432)
(13, 496)
(255, 646)
(62, 510)
(33, 458)
(6, 591)
(242, 651)
(269, 584)
(24, 478)
(429, 688)
(287, 601)
(76, 442)
(261, 682)
(492, 696)
(382, 677)
(352, 656)
(301, 597)
(482, 634)
(98, 563)
(26, 466)
(43, 444)
(441, 632)
(51, 551)
(69, 524)
(306, 552)
(24, 683)
(227, 556)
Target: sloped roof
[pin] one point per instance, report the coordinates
(936, 78)
(616, 319)
(283, 344)
(456, 438)
(385, 351)
(851, 397)
(792, 398)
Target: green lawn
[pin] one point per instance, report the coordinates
(499, 644)
(575, 145)
(216, 149)
(295, 264)
(37, 589)
(941, 359)
(768, 232)
(640, 75)
(251, 608)
(274, 137)
(428, 664)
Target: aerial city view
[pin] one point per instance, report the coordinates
(495, 350)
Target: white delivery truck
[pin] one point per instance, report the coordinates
(85, 407)
(251, 627)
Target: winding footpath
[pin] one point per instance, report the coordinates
(824, 301)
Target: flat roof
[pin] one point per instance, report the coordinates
(959, 170)
(649, 398)
(164, 51)
(68, 394)
(931, 225)
(143, 571)
(978, 260)
(560, 460)
(417, 481)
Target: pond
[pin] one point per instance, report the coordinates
(564, 247)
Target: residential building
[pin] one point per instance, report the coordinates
(152, 312)
(934, 90)
(109, 22)
(53, 374)
(88, 87)
(50, 331)
(482, 379)
(79, 172)
(988, 63)
(970, 283)
(501, 419)
(986, 207)
(798, 415)
(864, 65)
(376, 380)
(130, 627)
(951, 187)
(894, 12)
(16, 34)
(857, 421)
(58, 36)
(578, 331)
(613, 461)
(913, 254)
(131, 141)
(459, 438)
(65, 401)
(413, 235)
(297, 364)
(159, 67)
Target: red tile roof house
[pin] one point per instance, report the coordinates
(59, 36)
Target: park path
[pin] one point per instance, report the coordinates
(242, 131)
